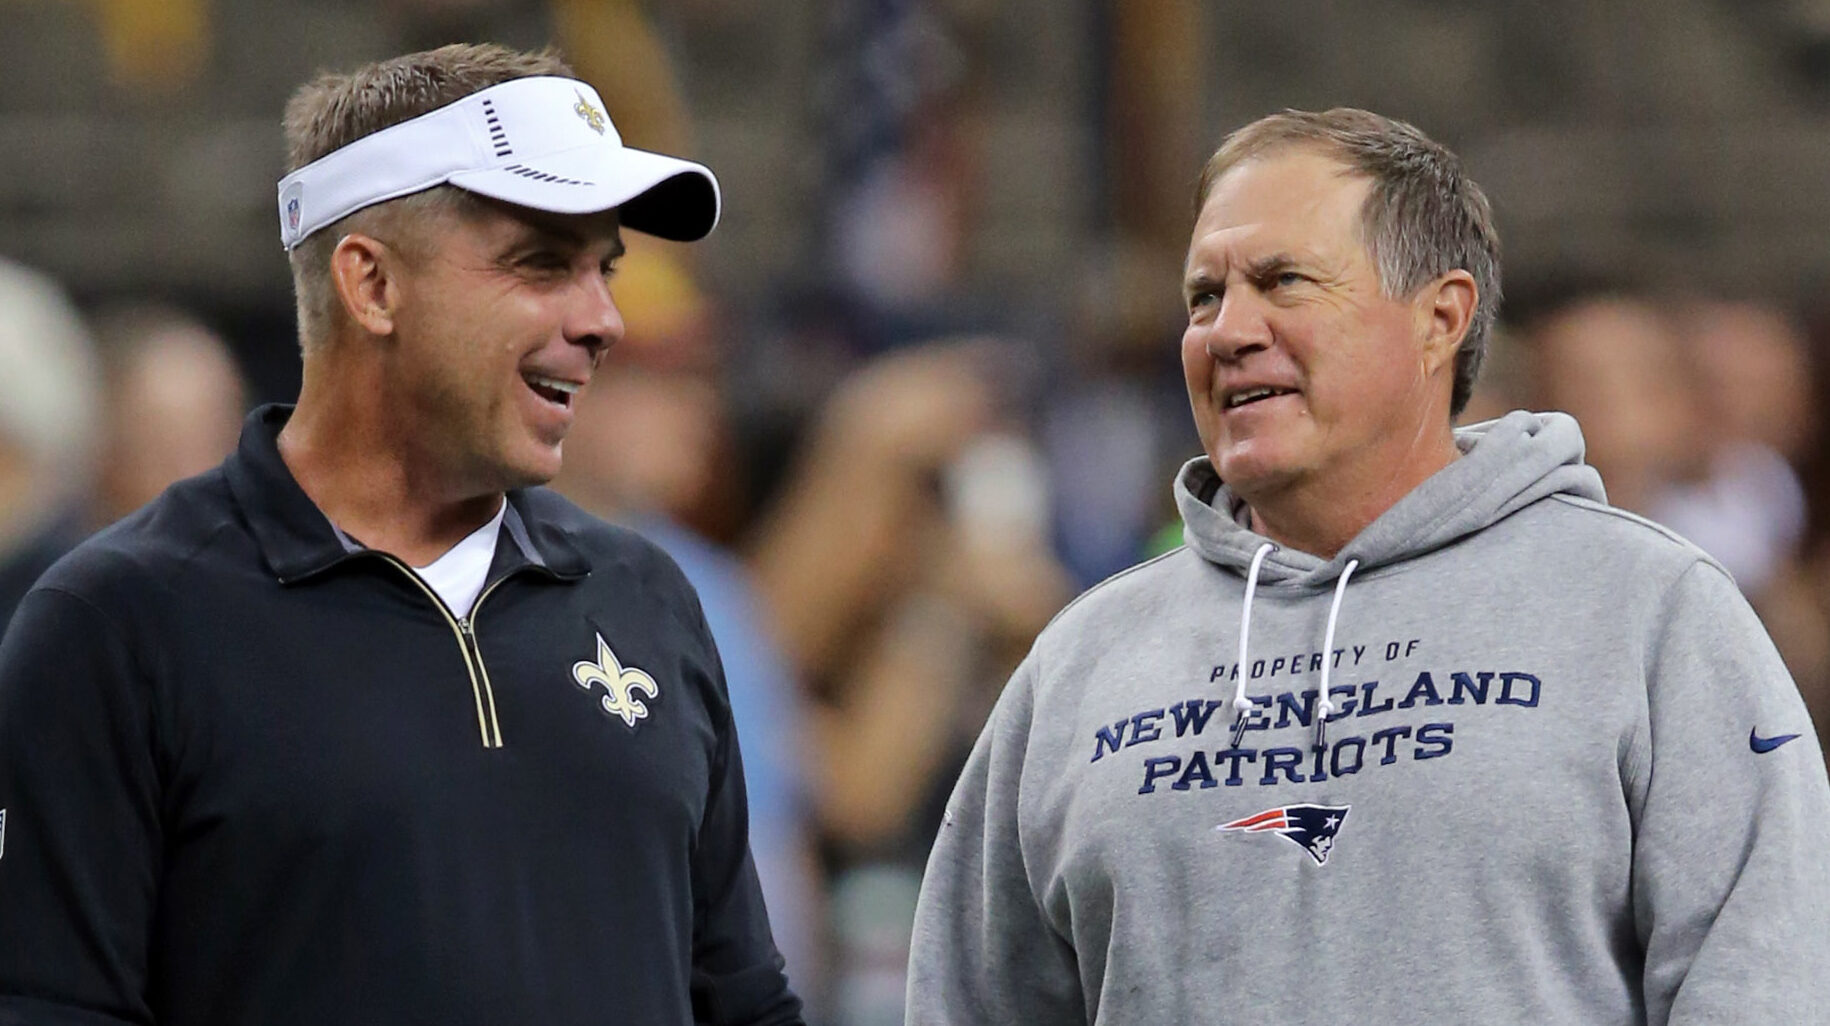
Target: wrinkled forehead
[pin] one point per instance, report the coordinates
(1292, 198)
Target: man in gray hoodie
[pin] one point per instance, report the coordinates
(1537, 763)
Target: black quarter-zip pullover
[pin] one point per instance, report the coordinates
(252, 773)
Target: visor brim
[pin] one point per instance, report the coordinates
(657, 194)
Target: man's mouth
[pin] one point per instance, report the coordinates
(1252, 395)
(557, 391)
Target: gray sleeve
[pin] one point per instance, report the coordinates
(983, 952)
(1731, 858)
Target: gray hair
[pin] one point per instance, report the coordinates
(1424, 216)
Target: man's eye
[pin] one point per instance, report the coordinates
(1201, 299)
(1288, 278)
(608, 269)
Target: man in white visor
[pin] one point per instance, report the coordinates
(364, 725)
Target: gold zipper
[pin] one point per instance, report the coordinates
(468, 626)
(465, 630)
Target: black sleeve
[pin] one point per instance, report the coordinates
(738, 977)
(80, 842)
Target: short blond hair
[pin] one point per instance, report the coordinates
(1423, 215)
(334, 110)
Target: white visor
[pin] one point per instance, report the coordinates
(541, 142)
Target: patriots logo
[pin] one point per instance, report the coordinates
(1310, 827)
(620, 684)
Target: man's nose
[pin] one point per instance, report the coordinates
(1239, 326)
(594, 321)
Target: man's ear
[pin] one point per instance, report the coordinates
(365, 272)
(1447, 309)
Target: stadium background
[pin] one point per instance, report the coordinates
(920, 387)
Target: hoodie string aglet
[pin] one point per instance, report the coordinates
(1242, 706)
(1324, 707)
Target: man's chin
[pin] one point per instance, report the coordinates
(1254, 472)
(533, 468)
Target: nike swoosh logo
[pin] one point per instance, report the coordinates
(1764, 745)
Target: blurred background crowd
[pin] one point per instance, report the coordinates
(921, 387)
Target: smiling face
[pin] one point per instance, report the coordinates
(1300, 371)
(501, 320)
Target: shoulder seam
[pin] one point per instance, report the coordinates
(57, 589)
(183, 562)
(1690, 547)
(1126, 572)
(1615, 511)
(101, 614)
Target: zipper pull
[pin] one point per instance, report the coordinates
(464, 626)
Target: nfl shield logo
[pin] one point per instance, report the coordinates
(292, 214)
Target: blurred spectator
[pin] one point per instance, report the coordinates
(1116, 430)
(905, 564)
(886, 583)
(1750, 388)
(1617, 365)
(1756, 364)
(174, 405)
(48, 400)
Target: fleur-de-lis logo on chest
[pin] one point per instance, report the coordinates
(621, 685)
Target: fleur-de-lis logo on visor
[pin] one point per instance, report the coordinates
(591, 115)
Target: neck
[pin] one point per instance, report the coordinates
(585, 486)
(1321, 513)
(377, 483)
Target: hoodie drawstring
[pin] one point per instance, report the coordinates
(1241, 704)
(1324, 707)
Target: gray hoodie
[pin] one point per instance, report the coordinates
(1549, 786)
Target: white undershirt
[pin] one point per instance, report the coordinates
(459, 574)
